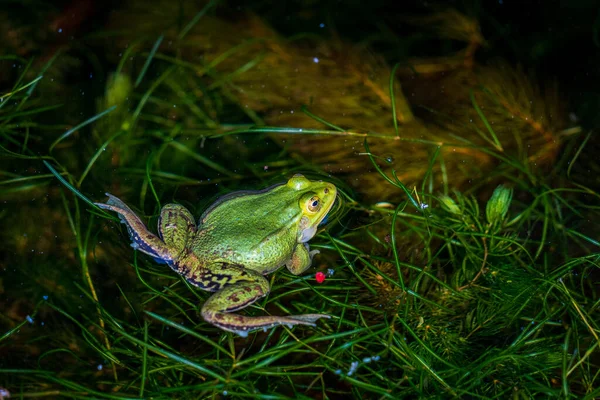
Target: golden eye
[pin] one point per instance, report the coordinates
(314, 204)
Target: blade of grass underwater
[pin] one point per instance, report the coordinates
(149, 162)
(545, 224)
(144, 99)
(44, 69)
(34, 111)
(81, 125)
(82, 391)
(188, 331)
(172, 356)
(26, 69)
(6, 96)
(156, 293)
(24, 188)
(6, 152)
(584, 237)
(144, 360)
(578, 152)
(74, 190)
(586, 356)
(371, 388)
(585, 317)
(170, 178)
(82, 250)
(55, 351)
(191, 102)
(494, 139)
(424, 345)
(339, 303)
(127, 55)
(429, 172)
(228, 79)
(396, 182)
(26, 320)
(303, 131)
(265, 359)
(25, 179)
(129, 304)
(69, 214)
(25, 140)
(203, 160)
(304, 109)
(13, 57)
(92, 161)
(393, 98)
(8, 136)
(148, 60)
(350, 264)
(197, 17)
(227, 54)
(91, 339)
(564, 372)
(395, 249)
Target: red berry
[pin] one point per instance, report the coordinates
(320, 277)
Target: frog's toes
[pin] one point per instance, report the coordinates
(243, 334)
(309, 318)
(115, 201)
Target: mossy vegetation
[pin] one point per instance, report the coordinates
(461, 260)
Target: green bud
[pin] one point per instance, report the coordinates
(497, 206)
(118, 89)
(449, 205)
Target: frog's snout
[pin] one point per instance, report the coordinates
(330, 189)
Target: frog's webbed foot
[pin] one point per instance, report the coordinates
(218, 309)
(142, 239)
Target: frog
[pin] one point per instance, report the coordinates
(238, 240)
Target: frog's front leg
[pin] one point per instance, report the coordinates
(238, 289)
(301, 259)
(142, 239)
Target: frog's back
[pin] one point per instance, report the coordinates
(250, 227)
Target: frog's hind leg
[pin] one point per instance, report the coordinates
(175, 226)
(142, 239)
(233, 296)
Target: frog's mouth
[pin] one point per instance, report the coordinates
(337, 203)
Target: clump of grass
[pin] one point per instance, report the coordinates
(467, 112)
(435, 291)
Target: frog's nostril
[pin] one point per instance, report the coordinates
(326, 190)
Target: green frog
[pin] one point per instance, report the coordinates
(239, 239)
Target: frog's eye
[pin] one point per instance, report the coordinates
(314, 204)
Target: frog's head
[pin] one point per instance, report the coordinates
(315, 199)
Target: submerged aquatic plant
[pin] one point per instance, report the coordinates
(443, 287)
